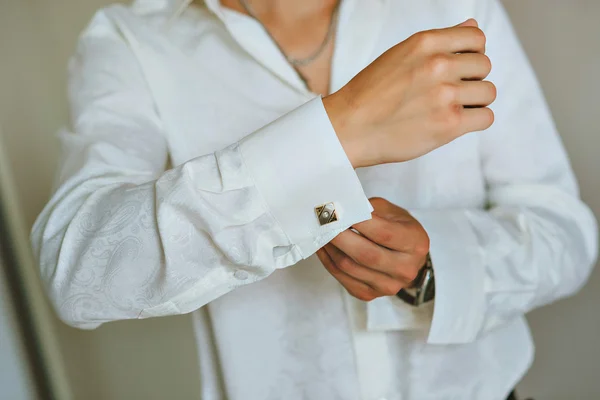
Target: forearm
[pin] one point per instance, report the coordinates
(119, 239)
(112, 250)
(536, 245)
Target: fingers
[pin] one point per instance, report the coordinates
(403, 237)
(460, 39)
(358, 289)
(366, 253)
(465, 37)
(388, 210)
(476, 93)
(382, 284)
(470, 66)
(469, 22)
(476, 119)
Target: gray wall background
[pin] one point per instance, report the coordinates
(562, 39)
(15, 379)
(155, 359)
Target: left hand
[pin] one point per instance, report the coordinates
(385, 257)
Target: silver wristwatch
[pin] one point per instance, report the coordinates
(422, 289)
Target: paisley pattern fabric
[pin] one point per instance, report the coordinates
(190, 174)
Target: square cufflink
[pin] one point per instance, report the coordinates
(326, 213)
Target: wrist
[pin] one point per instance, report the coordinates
(346, 127)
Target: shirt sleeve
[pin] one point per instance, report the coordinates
(535, 243)
(123, 237)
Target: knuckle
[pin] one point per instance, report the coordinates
(481, 38)
(410, 272)
(355, 293)
(488, 63)
(385, 236)
(345, 264)
(478, 36)
(454, 118)
(446, 93)
(364, 294)
(451, 120)
(392, 288)
(439, 65)
(424, 40)
(422, 247)
(377, 201)
(369, 256)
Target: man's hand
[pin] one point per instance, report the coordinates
(417, 96)
(384, 258)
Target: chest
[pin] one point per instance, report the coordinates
(210, 91)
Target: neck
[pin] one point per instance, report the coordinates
(284, 9)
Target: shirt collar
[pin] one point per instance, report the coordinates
(173, 8)
(178, 6)
(214, 6)
(357, 24)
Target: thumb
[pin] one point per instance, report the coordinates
(469, 22)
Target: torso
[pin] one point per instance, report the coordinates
(288, 336)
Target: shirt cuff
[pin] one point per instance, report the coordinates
(297, 163)
(390, 313)
(459, 305)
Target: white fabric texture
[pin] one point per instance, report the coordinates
(190, 175)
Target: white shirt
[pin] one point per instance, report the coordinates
(189, 182)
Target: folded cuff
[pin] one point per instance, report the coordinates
(459, 306)
(297, 164)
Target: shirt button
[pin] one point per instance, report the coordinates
(241, 275)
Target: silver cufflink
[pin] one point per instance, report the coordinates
(326, 213)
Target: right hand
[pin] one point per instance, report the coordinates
(383, 257)
(417, 96)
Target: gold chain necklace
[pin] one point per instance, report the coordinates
(298, 62)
